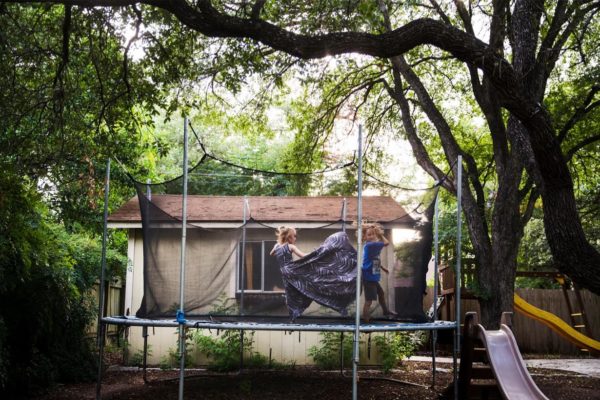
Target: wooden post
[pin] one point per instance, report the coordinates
(466, 355)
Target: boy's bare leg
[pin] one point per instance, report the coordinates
(366, 315)
(383, 303)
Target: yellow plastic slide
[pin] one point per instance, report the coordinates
(556, 324)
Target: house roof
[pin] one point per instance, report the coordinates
(297, 209)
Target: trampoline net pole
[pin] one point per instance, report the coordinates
(436, 282)
(457, 283)
(100, 337)
(101, 327)
(458, 248)
(243, 256)
(182, 330)
(356, 355)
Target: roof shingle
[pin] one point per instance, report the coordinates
(270, 209)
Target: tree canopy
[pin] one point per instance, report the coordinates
(509, 63)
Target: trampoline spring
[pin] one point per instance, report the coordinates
(299, 337)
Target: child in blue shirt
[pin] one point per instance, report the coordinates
(375, 241)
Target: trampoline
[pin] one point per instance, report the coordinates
(302, 324)
(182, 295)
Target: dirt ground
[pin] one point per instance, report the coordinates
(411, 381)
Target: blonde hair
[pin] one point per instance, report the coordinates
(378, 229)
(282, 233)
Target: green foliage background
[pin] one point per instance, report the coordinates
(46, 273)
(73, 92)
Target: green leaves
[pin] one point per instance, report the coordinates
(396, 346)
(46, 275)
(327, 354)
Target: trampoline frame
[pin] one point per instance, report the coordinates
(213, 323)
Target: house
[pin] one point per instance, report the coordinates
(214, 254)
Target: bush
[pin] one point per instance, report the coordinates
(173, 360)
(224, 351)
(327, 355)
(44, 303)
(394, 347)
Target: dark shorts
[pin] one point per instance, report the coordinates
(371, 289)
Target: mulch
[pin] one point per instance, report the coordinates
(412, 381)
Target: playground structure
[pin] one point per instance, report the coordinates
(501, 360)
(557, 325)
(176, 316)
(578, 332)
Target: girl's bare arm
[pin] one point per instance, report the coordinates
(296, 251)
(273, 250)
(384, 240)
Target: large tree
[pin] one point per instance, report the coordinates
(509, 71)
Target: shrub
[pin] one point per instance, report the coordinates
(172, 359)
(45, 307)
(224, 351)
(394, 347)
(327, 354)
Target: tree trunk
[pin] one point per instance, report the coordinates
(572, 253)
(497, 279)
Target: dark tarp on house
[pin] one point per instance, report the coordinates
(326, 276)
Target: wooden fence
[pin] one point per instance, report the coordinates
(114, 298)
(533, 336)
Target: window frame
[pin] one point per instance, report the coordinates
(263, 260)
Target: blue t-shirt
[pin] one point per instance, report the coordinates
(371, 266)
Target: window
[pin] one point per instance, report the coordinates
(261, 270)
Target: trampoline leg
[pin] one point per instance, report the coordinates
(145, 358)
(182, 339)
(342, 353)
(455, 364)
(433, 362)
(241, 350)
(101, 329)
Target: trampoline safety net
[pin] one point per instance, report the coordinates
(229, 269)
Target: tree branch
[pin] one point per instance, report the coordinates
(581, 111)
(464, 15)
(204, 18)
(554, 42)
(66, 31)
(530, 206)
(135, 37)
(498, 25)
(440, 12)
(571, 152)
(419, 150)
(257, 8)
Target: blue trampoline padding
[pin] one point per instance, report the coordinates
(277, 325)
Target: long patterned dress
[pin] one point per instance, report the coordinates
(326, 275)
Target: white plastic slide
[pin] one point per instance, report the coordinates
(514, 381)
